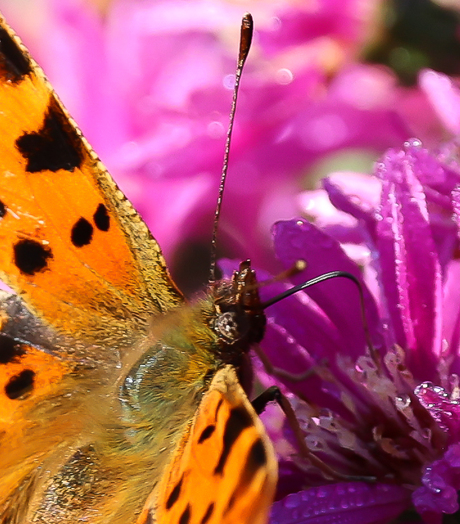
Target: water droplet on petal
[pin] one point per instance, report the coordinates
(413, 142)
(291, 502)
(402, 402)
(284, 76)
(215, 129)
(229, 82)
(426, 433)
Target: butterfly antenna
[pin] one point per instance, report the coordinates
(245, 44)
(321, 278)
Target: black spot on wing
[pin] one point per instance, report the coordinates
(14, 64)
(56, 145)
(206, 433)
(102, 218)
(255, 459)
(185, 517)
(31, 257)
(257, 456)
(237, 422)
(208, 514)
(174, 495)
(2, 209)
(230, 503)
(82, 233)
(10, 350)
(21, 385)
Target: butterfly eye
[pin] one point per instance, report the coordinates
(228, 326)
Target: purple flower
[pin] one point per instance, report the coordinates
(444, 97)
(380, 411)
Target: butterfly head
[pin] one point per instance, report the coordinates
(239, 319)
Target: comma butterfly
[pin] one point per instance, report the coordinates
(119, 401)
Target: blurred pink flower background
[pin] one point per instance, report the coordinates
(149, 82)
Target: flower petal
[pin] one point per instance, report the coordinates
(341, 504)
(298, 239)
(409, 263)
(440, 484)
(444, 97)
(355, 194)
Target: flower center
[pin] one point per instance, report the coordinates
(385, 427)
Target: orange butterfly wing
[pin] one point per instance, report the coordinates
(224, 470)
(72, 244)
(29, 374)
(85, 263)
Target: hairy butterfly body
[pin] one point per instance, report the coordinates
(119, 401)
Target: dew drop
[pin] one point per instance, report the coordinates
(356, 200)
(215, 130)
(423, 386)
(229, 82)
(274, 24)
(413, 142)
(284, 76)
(291, 502)
(402, 402)
(426, 433)
(313, 443)
(130, 152)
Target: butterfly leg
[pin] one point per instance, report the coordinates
(282, 373)
(274, 394)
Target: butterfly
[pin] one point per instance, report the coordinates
(120, 402)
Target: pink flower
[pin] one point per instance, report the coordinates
(381, 422)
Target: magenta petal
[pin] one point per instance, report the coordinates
(437, 175)
(456, 208)
(357, 199)
(409, 264)
(441, 407)
(318, 207)
(440, 484)
(451, 309)
(342, 503)
(444, 97)
(73, 50)
(285, 353)
(298, 239)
